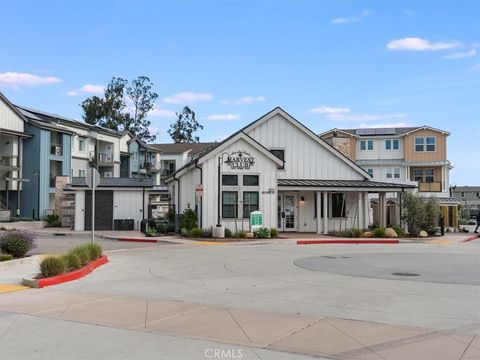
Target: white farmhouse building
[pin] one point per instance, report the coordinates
(278, 166)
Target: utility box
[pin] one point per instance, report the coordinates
(256, 220)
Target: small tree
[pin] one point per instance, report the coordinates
(413, 213)
(181, 131)
(432, 213)
(188, 220)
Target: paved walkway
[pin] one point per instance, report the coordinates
(316, 336)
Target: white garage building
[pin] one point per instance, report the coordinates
(280, 167)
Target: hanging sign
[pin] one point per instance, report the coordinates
(199, 190)
(240, 160)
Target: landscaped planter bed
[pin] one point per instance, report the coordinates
(70, 276)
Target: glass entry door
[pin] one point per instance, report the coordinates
(288, 212)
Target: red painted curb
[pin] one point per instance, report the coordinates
(74, 275)
(472, 238)
(346, 241)
(138, 240)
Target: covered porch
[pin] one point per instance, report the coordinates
(323, 206)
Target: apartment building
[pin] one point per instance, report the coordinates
(12, 136)
(408, 155)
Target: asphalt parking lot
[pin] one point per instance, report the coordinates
(273, 300)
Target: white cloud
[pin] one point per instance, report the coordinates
(87, 89)
(329, 110)
(162, 113)
(461, 55)
(418, 44)
(385, 125)
(345, 114)
(16, 80)
(351, 19)
(223, 117)
(247, 100)
(188, 97)
(475, 67)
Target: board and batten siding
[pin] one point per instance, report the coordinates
(305, 158)
(264, 167)
(9, 119)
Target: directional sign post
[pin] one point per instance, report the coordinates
(92, 180)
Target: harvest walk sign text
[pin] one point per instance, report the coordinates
(240, 160)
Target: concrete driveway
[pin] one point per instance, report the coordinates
(202, 301)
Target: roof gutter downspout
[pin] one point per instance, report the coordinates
(177, 205)
(200, 222)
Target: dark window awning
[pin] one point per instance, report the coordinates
(342, 184)
(79, 182)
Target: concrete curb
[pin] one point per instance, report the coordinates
(27, 260)
(471, 238)
(73, 275)
(347, 241)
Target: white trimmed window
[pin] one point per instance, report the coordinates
(427, 143)
(82, 144)
(366, 145)
(393, 173)
(81, 173)
(392, 144)
(370, 172)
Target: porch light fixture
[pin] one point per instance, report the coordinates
(302, 199)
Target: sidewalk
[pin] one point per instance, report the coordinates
(316, 336)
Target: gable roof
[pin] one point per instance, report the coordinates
(173, 148)
(12, 107)
(369, 132)
(46, 117)
(209, 152)
(308, 132)
(259, 121)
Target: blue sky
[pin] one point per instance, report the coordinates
(329, 63)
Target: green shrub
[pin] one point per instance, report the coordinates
(161, 228)
(379, 232)
(53, 266)
(52, 220)
(242, 234)
(17, 243)
(273, 232)
(72, 261)
(263, 233)
(188, 219)
(228, 233)
(432, 231)
(5, 257)
(184, 232)
(94, 250)
(196, 232)
(357, 232)
(399, 230)
(460, 222)
(170, 228)
(413, 212)
(82, 253)
(150, 232)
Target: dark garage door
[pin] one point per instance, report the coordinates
(103, 210)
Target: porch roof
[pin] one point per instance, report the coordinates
(344, 184)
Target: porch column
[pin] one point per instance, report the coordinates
(366, 210)
(382, 209)
(318, 194)
(325, 212)
(360, 210)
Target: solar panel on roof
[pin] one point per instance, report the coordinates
(369, 131)
(360, 132)
(379, 131)
(390, 131)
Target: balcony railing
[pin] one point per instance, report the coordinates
(166, 172)
(8, 163)
(151, 166)
(105, 159)
(435, 186)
